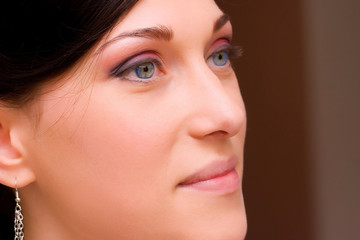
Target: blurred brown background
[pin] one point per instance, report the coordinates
(300, 79)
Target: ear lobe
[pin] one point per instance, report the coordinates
(12, 164)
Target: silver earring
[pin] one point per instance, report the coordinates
(18, 224)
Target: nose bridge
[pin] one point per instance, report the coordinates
(216, 104)
(209, 91)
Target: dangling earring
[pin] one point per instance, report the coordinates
(18, 224)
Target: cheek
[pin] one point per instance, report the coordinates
(118, 145)
(122, 143)
(104, 151)
(100, 132)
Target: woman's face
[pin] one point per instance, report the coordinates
(143, 139)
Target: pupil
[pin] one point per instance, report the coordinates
(145, 70)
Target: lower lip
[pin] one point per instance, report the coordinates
(224, 184)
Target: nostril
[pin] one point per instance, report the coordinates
(219, 134)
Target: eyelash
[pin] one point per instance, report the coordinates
(128, 66)
(232, 51)
(235, 51)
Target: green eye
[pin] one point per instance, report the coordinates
(220, 58)
(145, 70)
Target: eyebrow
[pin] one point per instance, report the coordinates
(159, 32)
(222, 20)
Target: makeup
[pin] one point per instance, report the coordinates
(219, 177)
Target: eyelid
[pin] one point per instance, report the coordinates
(133, 61)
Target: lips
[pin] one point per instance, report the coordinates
(218, 177)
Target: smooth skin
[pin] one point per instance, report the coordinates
(101, 156)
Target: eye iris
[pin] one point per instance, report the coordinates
(145, 70)
(220, 58)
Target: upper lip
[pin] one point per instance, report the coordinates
(212, 170)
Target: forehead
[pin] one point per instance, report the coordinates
(171, 13)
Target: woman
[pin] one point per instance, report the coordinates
(122, 120)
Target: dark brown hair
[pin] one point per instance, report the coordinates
(41, 39)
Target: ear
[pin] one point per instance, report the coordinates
(12, 163)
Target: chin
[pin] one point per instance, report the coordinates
(220, 219)
(229, 230)
(232, 227)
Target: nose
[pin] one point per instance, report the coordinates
(216, 106)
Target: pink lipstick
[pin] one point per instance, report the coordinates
(219, 177)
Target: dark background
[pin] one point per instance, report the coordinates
(300, 81)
